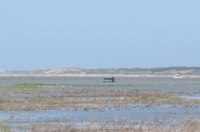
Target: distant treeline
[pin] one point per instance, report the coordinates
(141, 70)
(162, 69)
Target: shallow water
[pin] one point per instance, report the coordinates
(136, 114)
(191, 97)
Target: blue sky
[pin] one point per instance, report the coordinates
(45, 34)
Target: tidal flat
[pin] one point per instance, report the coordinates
(129, 104)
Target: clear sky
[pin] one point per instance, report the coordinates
(46, 34)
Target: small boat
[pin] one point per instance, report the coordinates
(177, 76)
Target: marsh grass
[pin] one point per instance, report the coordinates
(5, 128)
(42, 85)
(38, 85)
(189, 125)
(46, 96)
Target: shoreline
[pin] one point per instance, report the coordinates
(99, 75)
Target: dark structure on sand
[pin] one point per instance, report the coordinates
(109, 79)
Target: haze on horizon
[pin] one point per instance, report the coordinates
(88, 34)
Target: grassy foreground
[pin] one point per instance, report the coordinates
(49, 97)
(189, 125)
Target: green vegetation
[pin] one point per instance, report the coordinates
(5, 128)
(42, 85)
(31, 85)
(45, 88)
(47, 85)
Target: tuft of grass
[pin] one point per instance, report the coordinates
(32, 85)
(29, 88)
(5, 128)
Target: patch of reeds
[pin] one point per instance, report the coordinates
(31, 85)
(189, 125)
(23, 97)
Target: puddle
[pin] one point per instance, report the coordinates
(191, 97)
